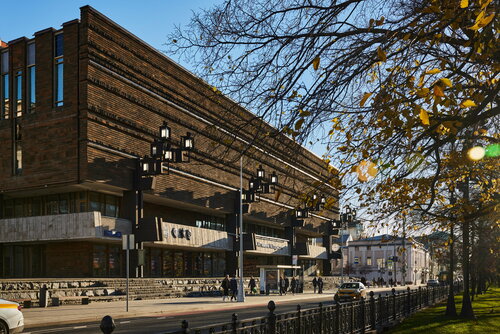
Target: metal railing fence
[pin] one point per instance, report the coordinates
(339, 318)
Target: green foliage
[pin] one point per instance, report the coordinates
(433, 320)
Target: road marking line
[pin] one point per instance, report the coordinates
(79, 327)
(161, 318)
(124, 322)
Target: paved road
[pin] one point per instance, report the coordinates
(165, 323)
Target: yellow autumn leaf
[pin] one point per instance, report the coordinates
(315, 63)
(381, 54)
(485, 3)
(299, 123)
(467, 104)
(464, 3)
(422, 92)
(485, 21)
(446, 82)
(363, 100)
(438, 91)
(424, 117)
(482, 21)
(433, 71)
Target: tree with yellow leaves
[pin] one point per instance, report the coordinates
(399, 90)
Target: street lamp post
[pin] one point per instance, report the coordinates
(258, 185)
(241, 292)
(346, 218)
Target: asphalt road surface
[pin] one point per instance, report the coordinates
(165, 323)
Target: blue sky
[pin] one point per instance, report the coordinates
(150, 20)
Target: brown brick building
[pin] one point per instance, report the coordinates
(80, 105)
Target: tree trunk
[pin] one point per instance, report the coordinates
(467, 311)
(451, 309)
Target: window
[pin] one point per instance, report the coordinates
(368, 247)
(381, 263)
(4, 84)
(59, 70)
(18, 85)
(18, 151)
(31, 78)
(368, 261)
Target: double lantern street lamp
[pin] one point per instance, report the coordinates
(162, 153)
(346, 218)
(256, 186)
(316, 203)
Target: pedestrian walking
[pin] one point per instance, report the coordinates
(252, 286)
(233, 285)
(293, 285)
(287, 284)
(315, 283)
(225, 288)
(320, 285)
(282, 285)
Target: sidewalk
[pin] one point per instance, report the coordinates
(70, 314)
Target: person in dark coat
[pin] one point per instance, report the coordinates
(320, 285)
(282, 285)
(287, 284)
(315, 283)
(233, 285)
(225, 288)
(252, 286)
(293, 285)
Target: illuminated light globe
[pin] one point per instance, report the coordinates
(476, 153)
(492, 151)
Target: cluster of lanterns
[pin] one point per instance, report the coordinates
(259, 185)
(162, 152)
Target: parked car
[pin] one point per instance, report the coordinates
(433, 282)
(351, 291)
(11, 317)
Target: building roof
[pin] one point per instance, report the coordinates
(344, 238)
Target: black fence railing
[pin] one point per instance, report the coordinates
(339, 318)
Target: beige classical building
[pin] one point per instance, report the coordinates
(387, 257)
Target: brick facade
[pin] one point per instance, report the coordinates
(117, 92)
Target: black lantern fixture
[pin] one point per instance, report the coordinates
(157, 149)
(168, 154)
(261, 173)
(150, 166)
(165, 132)
(302, 213)
(274, 178)
(252, 184)
(187, 142)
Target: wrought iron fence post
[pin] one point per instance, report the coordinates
(362, 315)
(433, 295)
(234, 322)
(299, 325)
(393, 303)
(351, 317)
(337, 317)
(419, 297)
(408, 301)
(185, 327)
(320, 318)
(373, 318)
(271, 317)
